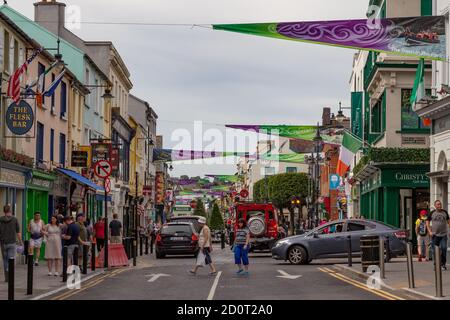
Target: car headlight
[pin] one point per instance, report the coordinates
(280, 243)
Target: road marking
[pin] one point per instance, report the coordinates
(214, 286)
(154, 277)
(286, 275)
(360, 285)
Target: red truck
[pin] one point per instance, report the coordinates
(261, 221)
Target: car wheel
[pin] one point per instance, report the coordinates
(297, 255)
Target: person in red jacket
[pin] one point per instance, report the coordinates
(99, 233)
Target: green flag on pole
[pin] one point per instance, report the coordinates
(418, 92)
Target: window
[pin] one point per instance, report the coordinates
(52, 145)
(62, 149)
(41, 70)
(40, 143)
(269, 171)
(351, 227)
(291, 170)
(16, 55)
(410, 120)
(376, 117)
(11, 54)
(63, 99)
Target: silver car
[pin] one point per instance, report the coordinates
(331, 241)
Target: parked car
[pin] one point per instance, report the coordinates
(331, 241)
(191, 219)
(262, 223)
(176, 238)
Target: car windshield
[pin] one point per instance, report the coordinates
(185, 229)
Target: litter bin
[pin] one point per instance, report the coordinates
(370, 249)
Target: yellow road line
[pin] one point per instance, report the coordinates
(378, 292)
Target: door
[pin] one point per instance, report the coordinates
(356, 230)
(331, 240)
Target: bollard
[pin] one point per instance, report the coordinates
(349, 251)
(410, 265)
(134, 251)
(26, 247)
(85, 259)
(381, 255)
(146, 245)
(65, 264)
(141, 245)
(75, 256)
(11, 279)
(93, 257)
(152, 242)
(222, 240)
(388, 249)
(438, 271)
(30, 260)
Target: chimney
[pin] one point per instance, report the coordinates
(326, 116)
(50, 14)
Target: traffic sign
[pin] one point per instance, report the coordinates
(244, 193)
(107, 185)
(103, 169)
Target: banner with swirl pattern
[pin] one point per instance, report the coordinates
(422, 37)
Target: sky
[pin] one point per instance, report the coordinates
(192, 74)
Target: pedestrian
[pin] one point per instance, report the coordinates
(84, 236)
(205, 248)
(423, 237)
(99, 234)
(115, 230)
(71, 237)
(241, 247)
(9, 236)
(151, 229)
(36, 228)
(437, 224)
(52, 233)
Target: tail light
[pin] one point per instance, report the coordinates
(194, 237)
(402, 234)
(158, 238)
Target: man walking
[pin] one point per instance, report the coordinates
(115, 230)
(437, 225)
(99, 234)
(9, 235)
(71, 238)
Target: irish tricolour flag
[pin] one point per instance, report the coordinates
(350, 146)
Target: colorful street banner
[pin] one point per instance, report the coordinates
(414, 36)
(225, 178)
(288, 158)
(329, 135)
(169, 155)
(350, 146)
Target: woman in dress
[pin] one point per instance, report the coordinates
(52, 233)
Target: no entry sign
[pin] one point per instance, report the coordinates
(103, 169)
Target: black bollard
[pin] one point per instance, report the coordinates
(11, 284)
(438, 271)
(65, 264)
(222, 240)
(26, 247)
(30, 260)
(410, 265)
(146, 245)
(349, 252)
(75, 257)
(85, 259)
(93, 257)
(141, 245)
(388, 250)
(134, 251)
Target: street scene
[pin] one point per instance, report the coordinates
(247, 151)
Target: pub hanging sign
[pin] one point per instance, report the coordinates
(20, 118)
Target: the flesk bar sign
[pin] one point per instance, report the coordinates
(20, 118)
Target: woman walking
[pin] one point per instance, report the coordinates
(204, 254)
(52, 233)
(241, 247)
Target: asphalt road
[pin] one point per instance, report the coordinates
(168, 279)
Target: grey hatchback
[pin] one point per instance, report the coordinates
(331, 241)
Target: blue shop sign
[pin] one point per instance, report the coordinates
(335, 181)
(20, 118)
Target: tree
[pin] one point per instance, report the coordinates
(199, 208)
(216, 220)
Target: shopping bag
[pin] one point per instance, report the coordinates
(200, 259)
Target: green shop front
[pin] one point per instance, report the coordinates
(38, 189)
(394, 193)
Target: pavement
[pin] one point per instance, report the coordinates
(396, 277)
(169, 279)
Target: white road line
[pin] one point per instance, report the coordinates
(214, 286)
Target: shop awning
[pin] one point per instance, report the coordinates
(80, 179)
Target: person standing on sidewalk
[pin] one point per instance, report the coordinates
(71, 238)
(205, 243)
(99, 234)
(423, 237)
(241, 247)
(9, 235)
(84, 236)
(36, 230)
(52, 233)
(115, 230)
(437, 224)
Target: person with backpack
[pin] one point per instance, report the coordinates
(423, 236)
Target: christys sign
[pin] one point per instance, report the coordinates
(411, 177)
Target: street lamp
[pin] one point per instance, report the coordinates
(340, 116)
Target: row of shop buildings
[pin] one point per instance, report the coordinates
(92, 104)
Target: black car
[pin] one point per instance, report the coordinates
(176, 238)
